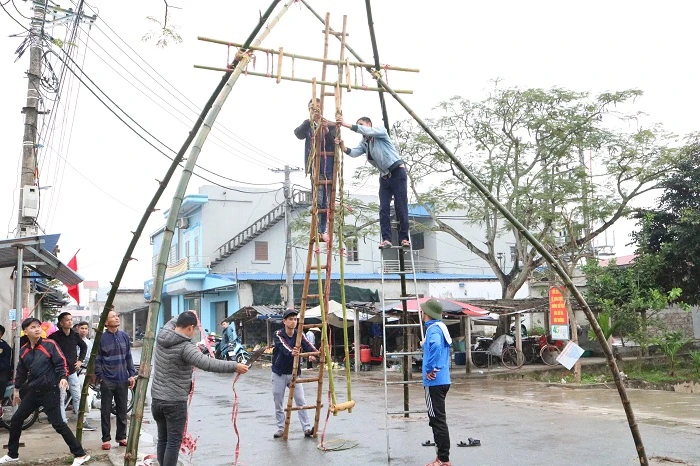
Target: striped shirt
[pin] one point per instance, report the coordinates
(114, 362)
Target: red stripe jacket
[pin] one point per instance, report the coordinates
(41, 367)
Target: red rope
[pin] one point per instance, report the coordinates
(234, 417)
(386, 73)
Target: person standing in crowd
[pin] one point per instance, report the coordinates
(44, 370)
(5, 362)
(305, 131)
(70, 343)
(83, 329)
(311, 336)
(393, 180)
(436, 377)
(282, 365)
(114, 367)
(175, 357)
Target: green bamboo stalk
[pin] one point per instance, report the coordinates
(136, 235)
(154, 306)
(627, 405)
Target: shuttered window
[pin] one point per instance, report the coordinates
(261, 251)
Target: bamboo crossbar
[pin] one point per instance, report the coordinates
(328, 61)
(348, 405)
(304, 80)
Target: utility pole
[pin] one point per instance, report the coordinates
(29, 192)
(288, 228)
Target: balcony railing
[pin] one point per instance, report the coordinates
(422, 266)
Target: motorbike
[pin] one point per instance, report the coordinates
(234, 351)
(211, 340)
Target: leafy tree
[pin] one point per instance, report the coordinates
(667, 242)
(531, 148)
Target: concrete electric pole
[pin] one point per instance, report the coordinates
(288, 228)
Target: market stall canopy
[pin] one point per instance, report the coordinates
(335, 315)
(38, 258)
(448, 306)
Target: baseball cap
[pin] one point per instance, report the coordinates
(290, 312)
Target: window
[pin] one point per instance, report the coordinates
(418, 241)
(172, 256)
(351, 252)
(196, 247)
(187, 249)
(261, 251)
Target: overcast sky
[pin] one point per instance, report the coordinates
(102, 175)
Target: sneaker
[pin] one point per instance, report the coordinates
(87, 426)
(8, 459)
(386, 244)
(309, 432)
(106, 445)
(278, 434)
(80, 460)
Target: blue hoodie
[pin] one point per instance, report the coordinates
(436, 353)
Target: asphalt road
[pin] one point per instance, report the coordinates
(517, 423)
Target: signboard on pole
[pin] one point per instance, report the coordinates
(558, 315)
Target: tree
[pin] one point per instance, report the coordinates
(530, 147)
(667, 241)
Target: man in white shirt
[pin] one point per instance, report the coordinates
(83, 328)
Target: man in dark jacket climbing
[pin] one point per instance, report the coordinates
(175, 357)
(306, 131)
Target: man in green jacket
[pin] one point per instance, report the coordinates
(175, 357)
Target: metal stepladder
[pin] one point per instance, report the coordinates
(406, 325)
(314, 245)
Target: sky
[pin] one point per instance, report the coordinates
(102, 176)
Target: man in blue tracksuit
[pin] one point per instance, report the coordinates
(436, 377)
(306, 131)
(382, 154)
(282, 365)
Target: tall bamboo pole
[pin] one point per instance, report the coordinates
(377, 66)
(627, 405)
(242, 60)
(136, 235)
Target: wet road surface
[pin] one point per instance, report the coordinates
(517, 422)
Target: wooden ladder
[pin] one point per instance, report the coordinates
(313, 257)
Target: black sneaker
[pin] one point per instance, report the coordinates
(309, 433)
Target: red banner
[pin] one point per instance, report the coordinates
(557, 307)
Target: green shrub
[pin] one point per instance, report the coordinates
(695, 360)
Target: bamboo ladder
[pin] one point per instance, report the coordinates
(314, 249)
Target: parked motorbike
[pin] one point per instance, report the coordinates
(211, 340)
(234, 351)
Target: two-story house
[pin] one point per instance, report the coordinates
(229, 249)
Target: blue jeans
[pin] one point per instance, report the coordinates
(171, 417)
(394, 186)
(324, 192)
(74, 387)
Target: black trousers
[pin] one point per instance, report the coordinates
(171, 417)
(435, 402)
(31, 401)
(119, 392)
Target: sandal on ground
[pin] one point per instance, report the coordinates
(386, 244)
(122, 443)
(428, 443)
(437, 462)
(473, 442)
(106, 445)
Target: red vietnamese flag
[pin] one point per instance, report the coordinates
(73, 290)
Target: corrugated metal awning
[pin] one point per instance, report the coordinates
(37, 258)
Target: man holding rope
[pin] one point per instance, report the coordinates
(175, 357)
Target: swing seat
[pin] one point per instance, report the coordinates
(342, 406)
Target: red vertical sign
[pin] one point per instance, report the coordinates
(557, 307)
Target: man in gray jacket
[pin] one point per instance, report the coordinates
(175, 358)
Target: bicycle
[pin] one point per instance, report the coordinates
(548, 352)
